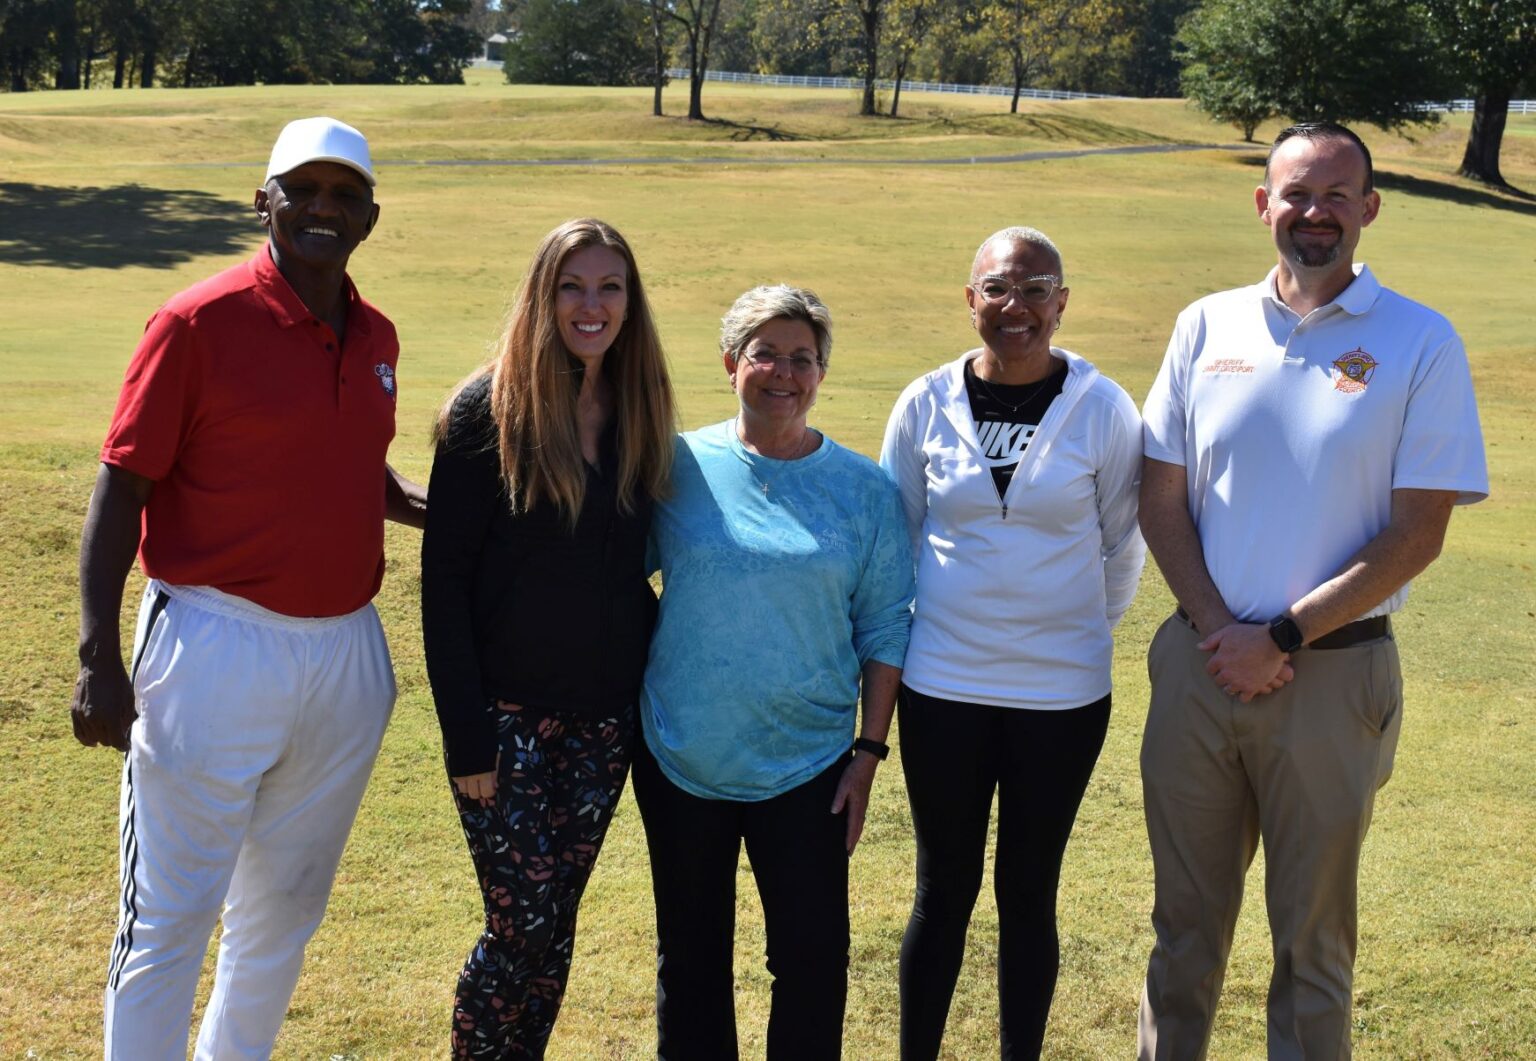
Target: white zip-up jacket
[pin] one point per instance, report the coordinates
(1016, 595)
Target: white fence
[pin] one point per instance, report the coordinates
(1465, 106)
(680, 73)
(884, 85)
(1519, 106)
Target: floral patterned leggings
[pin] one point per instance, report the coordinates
(534, 847)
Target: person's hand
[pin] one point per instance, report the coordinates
(478, 787)
(1245, 661)
(102, 708)
(853, 794)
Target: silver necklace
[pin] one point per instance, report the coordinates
(746, 456)
(1011, 407)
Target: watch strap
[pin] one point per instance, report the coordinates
(1285, 633)
(873, 747)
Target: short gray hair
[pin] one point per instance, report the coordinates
(1021, 234)
(767, 302)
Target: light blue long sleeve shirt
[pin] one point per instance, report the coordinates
(781, 579)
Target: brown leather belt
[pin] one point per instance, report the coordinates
(1346, 636)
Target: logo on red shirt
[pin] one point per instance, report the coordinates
(386, 378)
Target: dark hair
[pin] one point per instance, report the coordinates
(1322, 131)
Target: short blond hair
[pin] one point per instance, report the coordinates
(767, 302)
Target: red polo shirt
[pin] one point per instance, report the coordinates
(265, 442)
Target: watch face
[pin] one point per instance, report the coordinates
(1285, 633)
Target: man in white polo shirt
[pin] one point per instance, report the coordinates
(1306, 441)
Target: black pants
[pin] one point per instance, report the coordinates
(796, 848)
(954, 755)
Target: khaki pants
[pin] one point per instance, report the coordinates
(1298, 768)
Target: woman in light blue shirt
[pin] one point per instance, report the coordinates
(787, 582)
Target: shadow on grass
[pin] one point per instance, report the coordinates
(111, 228)
(1070, 129)
(743, 132)
(1461, 194)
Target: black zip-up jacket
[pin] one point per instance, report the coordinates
(520, 607)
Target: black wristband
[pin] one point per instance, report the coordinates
(873, 747)
(1285, 633)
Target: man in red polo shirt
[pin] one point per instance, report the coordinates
(245, 466)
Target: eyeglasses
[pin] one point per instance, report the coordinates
(799, 364)
(1035, 290)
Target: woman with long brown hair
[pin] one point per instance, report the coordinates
(536, 612)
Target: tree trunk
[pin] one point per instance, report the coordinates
(66, 46)
(1018, 83)
(661, 56)
(68, 74)
(901, 73)
(147, 67)
(91, 55)
(120, 65)
(1480, 162)
(695, 78)
(869, 11)
(706, 32)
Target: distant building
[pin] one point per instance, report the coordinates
(495, 45)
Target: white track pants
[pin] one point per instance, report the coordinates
(255, 738)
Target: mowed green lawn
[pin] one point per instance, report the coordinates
(112, 201)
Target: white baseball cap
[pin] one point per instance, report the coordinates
(320, 140)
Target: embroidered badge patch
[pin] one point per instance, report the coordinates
(386, 378)
(1353, 371)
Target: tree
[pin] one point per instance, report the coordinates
(828, 37)
(659, 44)
(809, 37)
(955, 49)
(1151, 68)
(484, 17)
(906, 29)
(579, 42)
(24, 26)
(732, 47)
(1493, 43)
(870, 15)
(411, 41)
(698, 19)
(1225, 75)
(1340, 60)
(1026, 31)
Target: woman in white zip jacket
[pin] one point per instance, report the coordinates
(1018, 466)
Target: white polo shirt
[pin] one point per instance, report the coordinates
(1293, 432)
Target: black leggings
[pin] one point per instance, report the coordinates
(954, 755)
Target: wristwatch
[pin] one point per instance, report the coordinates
(876, 748)
(1285, 633)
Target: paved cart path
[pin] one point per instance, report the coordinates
(721, 160)
(728, 160)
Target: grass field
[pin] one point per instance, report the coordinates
(112, 201)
